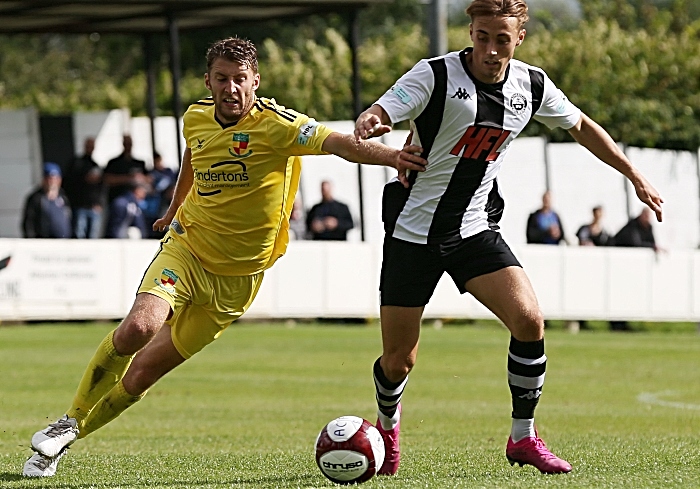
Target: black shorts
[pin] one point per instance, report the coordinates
(410, 271)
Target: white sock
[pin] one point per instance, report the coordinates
(389, 423)
(522, 428)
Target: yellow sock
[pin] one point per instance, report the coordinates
(110, 406)
(105, 369)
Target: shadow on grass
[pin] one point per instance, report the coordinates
(10, 476)
(253, 482)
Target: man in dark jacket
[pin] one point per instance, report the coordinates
(637, 233)
(329, 220)
(47, 212)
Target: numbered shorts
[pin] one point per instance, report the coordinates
(410, 271)
(203, 304)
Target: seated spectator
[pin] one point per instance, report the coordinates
(638, 232)
(593, 234)
(47, 212)
(162, 187)
(544, 225)
(83, 184)
(122, 172)
(329, 220)
(126, 218)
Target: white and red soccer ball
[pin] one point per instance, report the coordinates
(349, 450)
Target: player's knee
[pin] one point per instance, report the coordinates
(133, 334)
(396, 367)
(529, 325)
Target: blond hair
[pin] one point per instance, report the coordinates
(499, 8)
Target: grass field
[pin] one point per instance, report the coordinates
(624, 409)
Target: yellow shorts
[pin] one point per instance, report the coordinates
(203, 304)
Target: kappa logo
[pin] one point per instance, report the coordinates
(532, 395)
(462, 94)
(480, 143)
(518, 103)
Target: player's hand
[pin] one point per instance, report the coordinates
(369, 126)
(648, 194)
(412, 151)
(163, 223)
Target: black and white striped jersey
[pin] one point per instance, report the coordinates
(465, 128)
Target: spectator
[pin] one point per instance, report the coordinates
(638, 232)
(544, 225)
(83, 184)
(297, 226)
(47, 211)
(126, 216)
(329, 220)
(163, 184)
(593, 234)
(123, 172)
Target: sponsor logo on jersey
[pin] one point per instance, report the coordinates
(480, 143)
(240, 145)
(238, 174)
(400, 92)
(167, 281)
(561, 108)
(306, 131)
(518, 103)
(462, 94)
(229, 173)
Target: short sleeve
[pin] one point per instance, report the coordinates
(410, 94)
(556, 109)
(306, 136)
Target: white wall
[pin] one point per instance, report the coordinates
(93, 279)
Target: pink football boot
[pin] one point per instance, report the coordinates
(534, 452)
(392, 455)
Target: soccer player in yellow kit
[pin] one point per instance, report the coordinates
(228, 222)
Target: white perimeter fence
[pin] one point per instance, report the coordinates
(97, 279)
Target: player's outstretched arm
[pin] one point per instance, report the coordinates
(375, 153)
(597, 140)
(182, 188)
(372, 122)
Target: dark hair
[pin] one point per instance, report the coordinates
(499, 8)
(233, 49)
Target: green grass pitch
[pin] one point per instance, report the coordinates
(624, 409)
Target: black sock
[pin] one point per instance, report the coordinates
(526, 370)
(388, 393)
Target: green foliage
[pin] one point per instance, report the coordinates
(314, 78)
(244, 413)
(385, 59)
(644, 89)
(632, 65)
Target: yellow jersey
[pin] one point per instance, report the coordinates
(235, 218)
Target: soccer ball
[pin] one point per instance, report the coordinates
(349, 450)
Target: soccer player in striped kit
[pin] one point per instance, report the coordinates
(465, 108)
